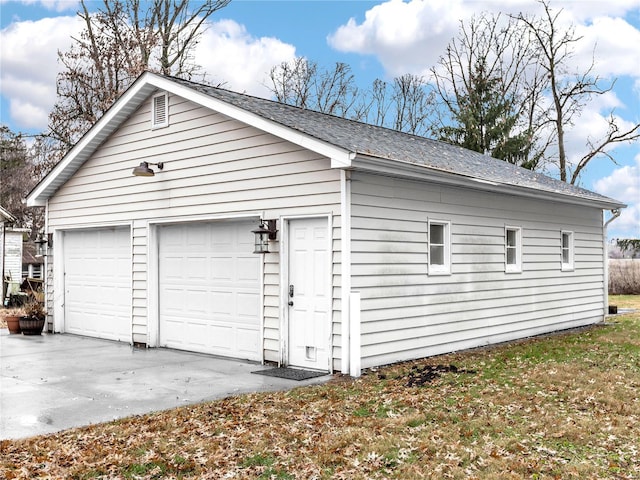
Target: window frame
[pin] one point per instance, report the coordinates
(517, 266)
(445, 267)
(154, 111)
(567, 266)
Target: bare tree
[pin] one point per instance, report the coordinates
(301, 83)
(487, 84)
(335, 90)
(372, 106)
(18, 175)
(381, 102)
(570, 91)
(178, 27)
(120, 40)
(402, 105)
(412, 104)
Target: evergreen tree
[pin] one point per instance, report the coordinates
(485, 119)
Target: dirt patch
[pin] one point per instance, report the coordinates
(420, 375)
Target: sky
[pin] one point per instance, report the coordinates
(378, 39)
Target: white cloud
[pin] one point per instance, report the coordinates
(29, 66)
(614, 43)
(53, 5)
(231, 55)
(410, 36)
(586, 10)
(406, 37)
(593, 124)
(624, 184)
(28, 52)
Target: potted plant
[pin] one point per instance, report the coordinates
(11, 317)
(32, 322)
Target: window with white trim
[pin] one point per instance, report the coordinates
(513, 249)
(439, 247)
(567, 250)
(160, 111)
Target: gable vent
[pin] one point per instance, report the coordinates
(160, 111)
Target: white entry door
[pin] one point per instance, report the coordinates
(209, 285)
(309, 293)
(97, 283)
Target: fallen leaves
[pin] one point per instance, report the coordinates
(554, 407)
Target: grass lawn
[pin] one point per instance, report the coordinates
(559, 406)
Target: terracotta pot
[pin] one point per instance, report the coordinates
(31, 325)
(13, 323)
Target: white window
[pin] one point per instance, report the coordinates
(37, 271)
(513, 249)
(439, 247)
(567, 250)
(160, 111)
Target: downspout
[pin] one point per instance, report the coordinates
(345, 268)
(615, 214)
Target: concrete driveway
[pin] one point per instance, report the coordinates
(54, 382)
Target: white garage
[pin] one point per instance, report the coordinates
(97, 283)
(209, 288)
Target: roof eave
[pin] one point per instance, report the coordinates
(340, 157)
(130, 100)
(422, 172)
(8, 216)
(133, 97)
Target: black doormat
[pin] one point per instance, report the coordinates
(290, 373)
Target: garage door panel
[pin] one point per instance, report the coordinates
(246, 271)
(197, 301)
(208, 270)
(246, 306)
(221, 269)
(249, 340)
(97, 267)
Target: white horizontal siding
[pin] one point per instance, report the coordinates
(213, 165)
(13, 255)
(407, 314)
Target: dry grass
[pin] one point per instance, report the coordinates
(562, 406)
(624, 276)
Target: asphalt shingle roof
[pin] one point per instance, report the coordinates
(380, 142)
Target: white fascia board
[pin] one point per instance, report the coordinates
(8, 217)
(340, 157)
(133, 98)
(109, 122)
(421, 172)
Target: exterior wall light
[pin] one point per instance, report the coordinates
(41, 244)
(266, 231)
(143, 170)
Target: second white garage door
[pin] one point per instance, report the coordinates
(209, 285)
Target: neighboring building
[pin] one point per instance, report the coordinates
(32, 263)
(12, 264)
(389, 246)
(6, 219)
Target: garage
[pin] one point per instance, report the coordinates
(209, 289)
(97, 279)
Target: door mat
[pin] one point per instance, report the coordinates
(290, 373)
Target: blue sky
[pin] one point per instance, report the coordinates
(377, 38)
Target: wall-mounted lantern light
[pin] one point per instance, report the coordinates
(144, 170)
(266, 231)
(41, 244)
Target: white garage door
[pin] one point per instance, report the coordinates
(210, 289)
(97, 268)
